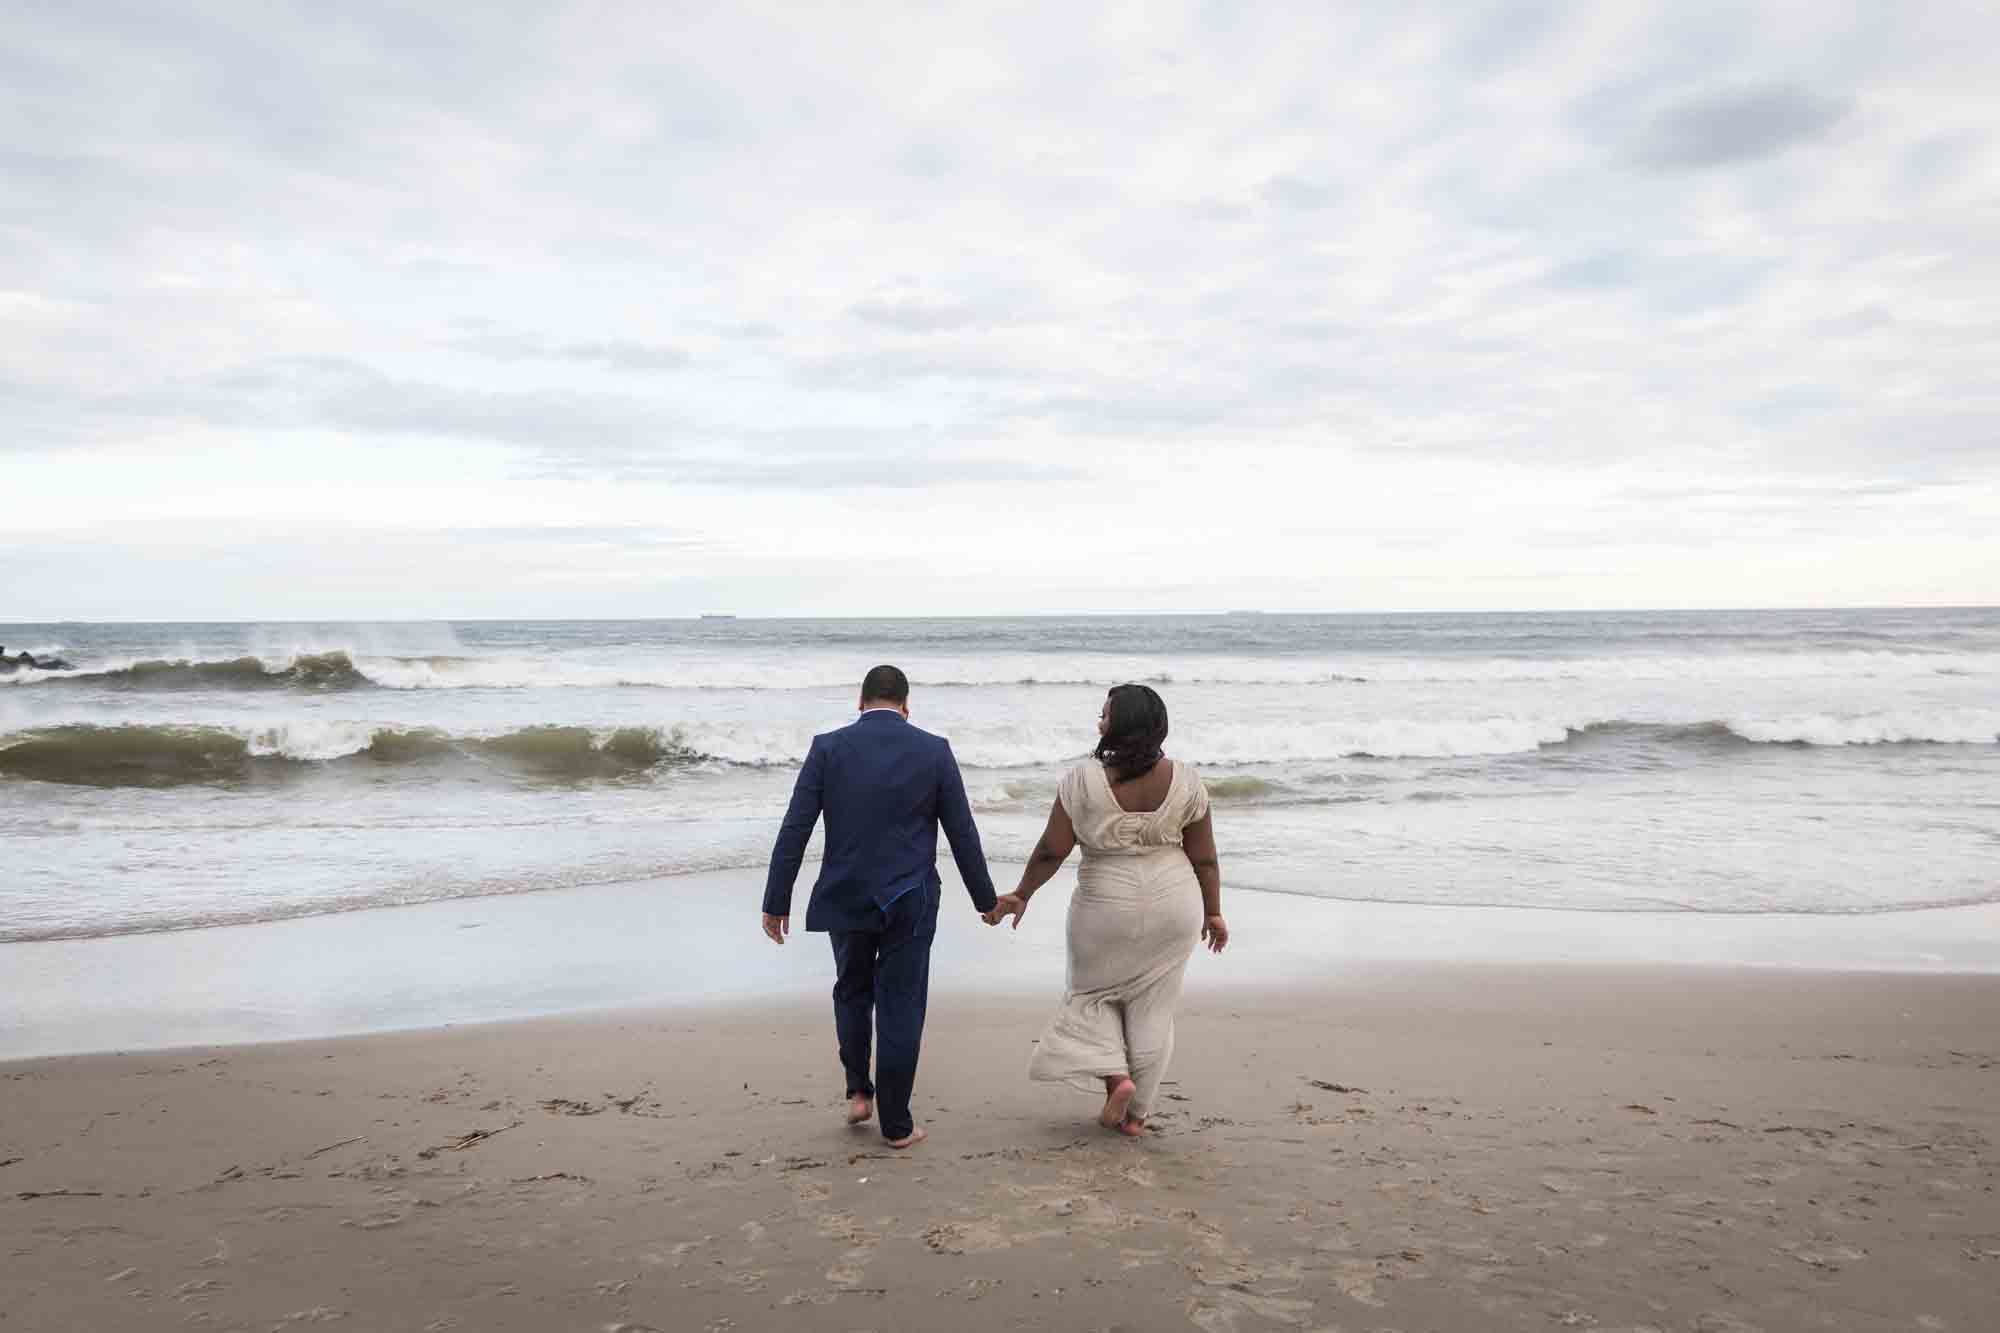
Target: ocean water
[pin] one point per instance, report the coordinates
(1713, 762)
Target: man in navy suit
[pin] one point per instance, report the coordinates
(885, 787)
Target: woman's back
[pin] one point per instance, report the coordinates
(1165, 802)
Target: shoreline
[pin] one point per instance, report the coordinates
(1424, 1146)
(691, 941)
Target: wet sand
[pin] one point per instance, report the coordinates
(1402, 1147)
(693, 941)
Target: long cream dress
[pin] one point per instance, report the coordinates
(1133, 922)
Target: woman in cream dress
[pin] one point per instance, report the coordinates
(1148, 888)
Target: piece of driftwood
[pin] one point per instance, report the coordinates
(358, 1138)
(464, 1141)
(25, 1195)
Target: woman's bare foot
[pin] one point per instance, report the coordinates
(1117, 1096)
(916, 1136)
(1132, 1127)
(859, 1108)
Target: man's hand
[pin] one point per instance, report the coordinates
(1006, 905)
(777, 927)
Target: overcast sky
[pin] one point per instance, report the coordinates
(380, 311)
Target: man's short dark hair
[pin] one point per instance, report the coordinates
(885, 685)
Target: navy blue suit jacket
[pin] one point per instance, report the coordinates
(884, 787)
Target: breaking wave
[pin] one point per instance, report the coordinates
(127, 756)
(1968, 726)
(133, 755)
(169, 755)
(1230, 790)
(333, 670)
(340, 668)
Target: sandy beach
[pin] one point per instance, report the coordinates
(1403, 1146)
(1484, 510)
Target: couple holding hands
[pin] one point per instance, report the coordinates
(1148, 888)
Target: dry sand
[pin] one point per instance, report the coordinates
(1456, 1147)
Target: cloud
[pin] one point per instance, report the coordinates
(1602, 271)
(581, 534)
(1292, 192)
(903, 262)
(915, 314)
(927, 159)
(606, 354)
(618, 354)
(575, 433)
(1740, 125)
(890, 469)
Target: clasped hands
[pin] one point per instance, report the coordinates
(1006, 905)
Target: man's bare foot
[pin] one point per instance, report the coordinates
(859, 1108)
(916, 1136)
(1117, 1096)
(1132, 1127)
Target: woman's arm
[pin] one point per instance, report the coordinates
(1058, 840)
(1198, 841)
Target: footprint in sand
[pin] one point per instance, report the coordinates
(1219, 1311)
(1828, 1258)
(811, 1298)
(964, 1237)
(1356, 1280)
(375, 1221)
(845, 1226)
(861, 1242)
(680, 1252)
(1716, 1321)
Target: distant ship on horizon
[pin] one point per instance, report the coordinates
(717, 615)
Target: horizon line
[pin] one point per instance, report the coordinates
(1231, 613)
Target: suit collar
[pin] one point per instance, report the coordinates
(876, 714)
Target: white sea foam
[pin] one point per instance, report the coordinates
(309, 739)
(1959, 726)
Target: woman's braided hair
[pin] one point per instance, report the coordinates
(1134, 732)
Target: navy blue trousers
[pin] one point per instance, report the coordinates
(883, 986)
